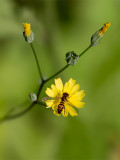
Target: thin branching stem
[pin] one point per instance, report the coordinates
(10, 117)
(41, 86)
(41, 103)
(48, 79)
(85, 50)
(36, 59)
(57, 73)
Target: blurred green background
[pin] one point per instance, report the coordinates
(60, 26)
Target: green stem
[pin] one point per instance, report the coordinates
(6, 117)
(41, 86)
(38, 66)
(41, 103)
(57, 73)
(85, 50)
(19, 114)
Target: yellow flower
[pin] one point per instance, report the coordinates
(63, 99)
(27, 29)
(104, 29)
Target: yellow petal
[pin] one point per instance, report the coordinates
(55, 90)
(56, 113)
(74, 89)
(81, 105)
(59, 85)
(66, 86)
(55, 108)
(49, 92)
(49, 103)
(71, 82)
(65, 112)
(78, 96)
(71, 110)
(69, 85)
(76, 103)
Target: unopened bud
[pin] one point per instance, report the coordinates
(28, 34)
(33, 96)
(71, 58)
(97, 36)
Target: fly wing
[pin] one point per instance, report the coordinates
(44, 99)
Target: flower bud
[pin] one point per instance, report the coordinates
(28, 34)
(71, 58)
(97, 36)
(33, 96)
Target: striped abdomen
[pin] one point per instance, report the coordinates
(61, 105)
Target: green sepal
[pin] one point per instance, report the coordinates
(96, 39)
(30, 38)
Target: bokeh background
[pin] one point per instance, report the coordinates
(60, 26)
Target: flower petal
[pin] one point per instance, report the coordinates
(49, 103)
(59, 84)
(81, 105)
(69, 85)
(55, 90)
(77, 96)
(74, 89)
(71, 110)
(55, 108)
(66, 87)
(65, 112)
(76, 103)
(71, 82)
(49, 92)
(56, 113)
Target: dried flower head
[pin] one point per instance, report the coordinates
(62, 99)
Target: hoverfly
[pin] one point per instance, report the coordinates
(61, 105)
